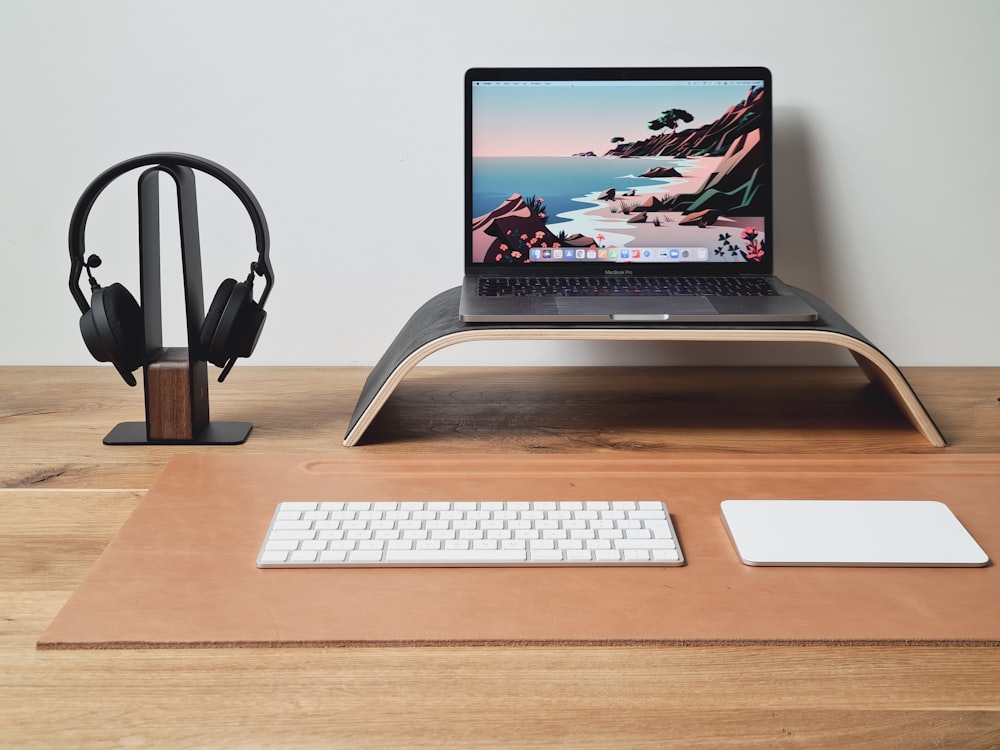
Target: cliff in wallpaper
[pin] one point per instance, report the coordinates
(713, 139)
(735, 187)
(508, 233)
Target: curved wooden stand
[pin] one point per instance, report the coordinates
(436, 325)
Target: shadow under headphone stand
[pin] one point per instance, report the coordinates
(174, 380)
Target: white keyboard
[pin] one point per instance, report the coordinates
(463, 534)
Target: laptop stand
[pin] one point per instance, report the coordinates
(436, 325)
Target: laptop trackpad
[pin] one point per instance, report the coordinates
(637, 308)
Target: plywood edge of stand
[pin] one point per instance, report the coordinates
(401, 370)
(887, 375)
(876, 366)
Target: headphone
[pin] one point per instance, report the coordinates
(112, 324)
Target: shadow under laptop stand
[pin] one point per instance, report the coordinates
(174, 380)
(436, 325)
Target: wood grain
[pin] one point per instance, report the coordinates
(561, 410)
(68, 495)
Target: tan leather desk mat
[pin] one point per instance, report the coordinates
(182, 571)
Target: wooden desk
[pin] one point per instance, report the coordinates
(62, 486)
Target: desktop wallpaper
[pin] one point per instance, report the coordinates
(646, 172)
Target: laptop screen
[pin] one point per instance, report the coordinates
(667, 170)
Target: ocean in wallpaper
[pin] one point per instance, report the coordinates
(562, 180)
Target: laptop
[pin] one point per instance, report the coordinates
(621, 196)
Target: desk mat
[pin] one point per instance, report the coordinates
(181, 572)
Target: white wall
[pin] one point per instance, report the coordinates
(345, 119)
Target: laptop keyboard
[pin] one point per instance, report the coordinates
(628, 286)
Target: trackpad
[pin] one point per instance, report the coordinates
(890, 533)
(638, 308)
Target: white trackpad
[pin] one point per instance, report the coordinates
(920, 533)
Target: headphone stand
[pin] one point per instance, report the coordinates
(174, 380)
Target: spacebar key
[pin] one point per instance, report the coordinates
(455, 557)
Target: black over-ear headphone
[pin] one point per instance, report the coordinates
(112, 324)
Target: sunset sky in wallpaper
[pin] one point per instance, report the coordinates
(561, 120)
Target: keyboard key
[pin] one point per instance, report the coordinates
(281, 545)
(293, 534)
(444, 557)
(299, 506)
(546, 555)
(666, 555)
(271, 557)
(299, 525)
(364, 556)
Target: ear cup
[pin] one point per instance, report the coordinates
(113, 330)
(232, 325)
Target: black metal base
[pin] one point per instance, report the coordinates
(215, 433)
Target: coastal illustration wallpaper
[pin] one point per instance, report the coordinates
(649, 171)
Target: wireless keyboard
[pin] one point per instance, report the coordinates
(463, 534)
